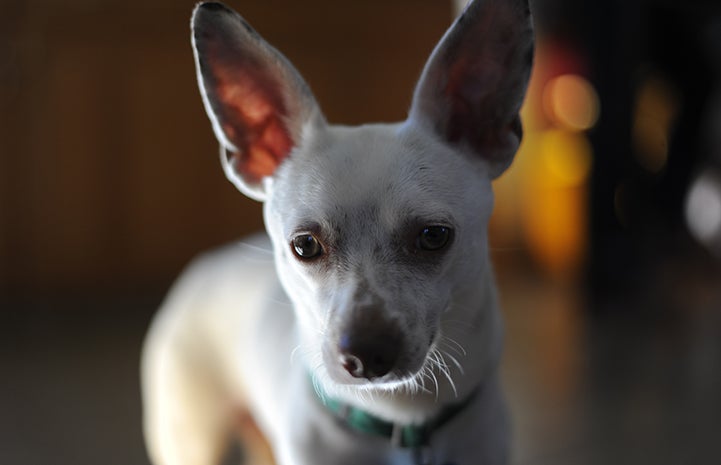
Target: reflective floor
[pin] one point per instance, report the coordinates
(629, 380)
(632, 380)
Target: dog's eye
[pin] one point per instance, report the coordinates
(306, 246)
(434, 237)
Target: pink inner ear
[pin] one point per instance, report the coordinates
(252, 113)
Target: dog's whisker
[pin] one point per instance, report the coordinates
(293, 353)
(459, 348)
(282, 303)
(435, 383)
(440, 360)
(317, 387)
(409, 386)
(418, 382)
(445, 371)
(367, 395)
(417, 385)
(255, 248)
(456, 363)
(434, 360)
(452, 348)
(421, 381)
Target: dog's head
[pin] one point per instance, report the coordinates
(379, 230)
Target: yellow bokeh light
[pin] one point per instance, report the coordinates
(555, 229)
(566, 157)
(554, 199)
(571, 102)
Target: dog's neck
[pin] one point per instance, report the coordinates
(476, 347)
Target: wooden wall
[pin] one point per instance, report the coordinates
(109, 179)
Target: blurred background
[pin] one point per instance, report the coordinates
(606, 237)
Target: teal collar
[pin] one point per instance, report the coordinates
(404, 436)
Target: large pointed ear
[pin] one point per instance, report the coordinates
(473, 85)
(257, 102)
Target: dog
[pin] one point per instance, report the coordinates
(364, 328)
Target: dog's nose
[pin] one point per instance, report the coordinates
(368, 357)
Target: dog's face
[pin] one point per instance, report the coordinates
(375, 229)
(379, 230)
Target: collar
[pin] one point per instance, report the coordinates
(404, 436)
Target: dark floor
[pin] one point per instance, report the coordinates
(633, 385)
(69, 391)
(631, 380)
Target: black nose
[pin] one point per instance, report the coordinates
(368, 355)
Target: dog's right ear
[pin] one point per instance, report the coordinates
(257, 102)
(474, 83)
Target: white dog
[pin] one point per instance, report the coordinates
(373, 336)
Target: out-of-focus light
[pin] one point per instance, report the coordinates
(553, 200)
(566, 157)
(554, 227)
(571, 102)
(656, 106)
(703, 210)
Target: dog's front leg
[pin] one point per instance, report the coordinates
(187, 417)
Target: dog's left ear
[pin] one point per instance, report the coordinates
(473, 85)
(257, 102)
